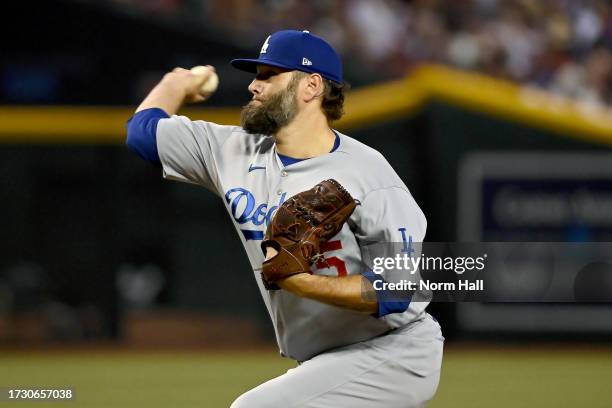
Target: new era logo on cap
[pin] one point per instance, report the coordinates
(287, 49)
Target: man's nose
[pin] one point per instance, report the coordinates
(255, 87)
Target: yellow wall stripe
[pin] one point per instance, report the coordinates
(78, 124)
(365, 106)
(521, 104)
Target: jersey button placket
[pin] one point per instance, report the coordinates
(283, 174)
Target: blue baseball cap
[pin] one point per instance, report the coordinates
(296, 50)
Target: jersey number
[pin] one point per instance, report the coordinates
(333, 261)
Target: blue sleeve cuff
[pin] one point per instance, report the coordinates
(142, 134)
(388, 302)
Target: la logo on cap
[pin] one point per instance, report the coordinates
(264, 47)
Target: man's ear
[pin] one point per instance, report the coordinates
(313, 87)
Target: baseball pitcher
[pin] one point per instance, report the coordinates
(305, 200)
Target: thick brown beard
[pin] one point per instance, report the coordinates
(272, 114)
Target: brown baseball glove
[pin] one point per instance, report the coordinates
(300, 225)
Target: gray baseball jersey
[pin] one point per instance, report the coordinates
(246, 172)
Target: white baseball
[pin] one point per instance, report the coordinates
(210, 85)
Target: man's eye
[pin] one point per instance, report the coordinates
(262, 76)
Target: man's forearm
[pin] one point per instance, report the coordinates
(167, 95)
(176, 88)
(349, 292)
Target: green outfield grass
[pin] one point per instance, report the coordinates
(471, 377)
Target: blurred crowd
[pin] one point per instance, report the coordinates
(562, 45)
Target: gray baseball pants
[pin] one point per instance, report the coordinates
(400, 369)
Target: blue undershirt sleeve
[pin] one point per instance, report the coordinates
(387, 302)
(141, 134)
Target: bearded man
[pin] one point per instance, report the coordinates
(352, 350)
